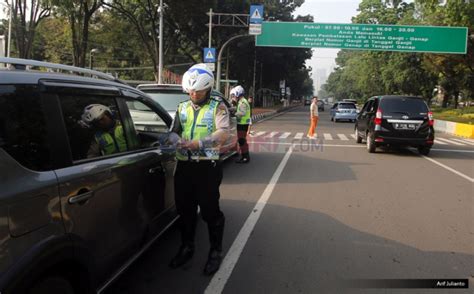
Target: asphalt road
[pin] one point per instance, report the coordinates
(307, 216)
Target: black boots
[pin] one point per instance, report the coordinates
(245, 158)
(213, 262)
(185, 253)
(214, 258)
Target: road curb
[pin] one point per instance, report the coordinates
(261, 116)
(453, 128)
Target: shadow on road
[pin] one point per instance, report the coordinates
(293, 251)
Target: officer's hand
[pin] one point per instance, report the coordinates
(192, 145)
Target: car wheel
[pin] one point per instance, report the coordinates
(370, 142)
(358, 137)
(52, 284)
(424, 150)
(335, 120)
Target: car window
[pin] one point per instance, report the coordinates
(347, 106)
(169, 100)
(365, 107)
(23, 131)
(372, 105)
(144, 118)
(101, 137)
(404, 105)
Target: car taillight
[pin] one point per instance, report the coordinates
(378, 117)
(430, 117)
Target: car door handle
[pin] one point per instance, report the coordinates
(81, 198)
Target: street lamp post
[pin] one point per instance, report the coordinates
(160, 46)
(219, 59)
(91, 57)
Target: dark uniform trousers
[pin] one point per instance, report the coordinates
(197, 183)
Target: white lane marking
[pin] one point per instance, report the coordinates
(450, 169)
(307, 140)
(353, 136)
(342, 137)
(468, 140)
(299, 136)
(450, 142)
(258, 134)
(353, 146)
(271, 135)
(453, 150)
(436, 141)
(327, 136)
(462, 141)
(285, 135)
(217, 284)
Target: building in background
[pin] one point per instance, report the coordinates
(320, 78)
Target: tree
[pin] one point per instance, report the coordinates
(79, 14)
(27, 14)
(144, 16)
(455, 72)
(52, 41)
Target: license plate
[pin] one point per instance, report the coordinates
(405, 126)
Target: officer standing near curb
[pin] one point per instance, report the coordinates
(243, 122)
(203, 125)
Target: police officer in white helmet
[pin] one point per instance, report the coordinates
(203, 125)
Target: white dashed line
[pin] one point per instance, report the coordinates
(271, 135)
(451, 142)
(299, 136)
(327, 136)
(285, 135)
(342, 137)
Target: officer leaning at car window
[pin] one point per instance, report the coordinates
(203, 124)
(108, 137)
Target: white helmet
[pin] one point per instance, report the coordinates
(93, 112)
(198, 78)
(237, 91)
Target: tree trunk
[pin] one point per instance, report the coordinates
(81, 51)
(456, 98)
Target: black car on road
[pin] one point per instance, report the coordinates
(395, 121)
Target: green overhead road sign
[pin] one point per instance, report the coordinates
(364, 37)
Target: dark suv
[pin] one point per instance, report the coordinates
(70, 222)
(395, 121)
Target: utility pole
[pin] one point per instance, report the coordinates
(210, 27)
(160, 50)
(254, 71)
(10, 8)
(227, 74)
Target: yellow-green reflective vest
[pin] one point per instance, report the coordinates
(198, 128)
(109, 143)
(244, 120)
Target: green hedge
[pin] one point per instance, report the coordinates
(461, 115)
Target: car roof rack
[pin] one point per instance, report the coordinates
(153, 84)
(54, 67)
